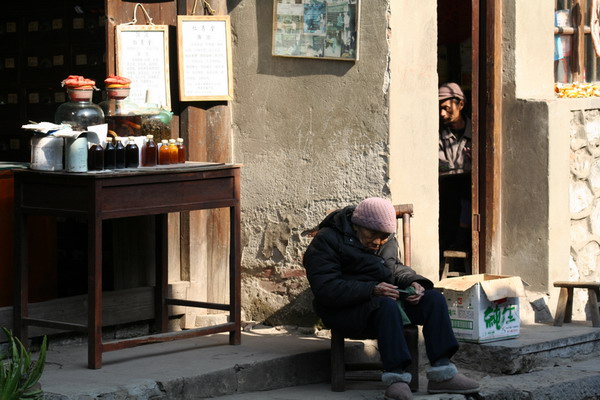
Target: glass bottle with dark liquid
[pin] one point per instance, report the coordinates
(181, 150)
(132, 154)
(149, 152)
(96, 158)
(110, 155)
(119, 153)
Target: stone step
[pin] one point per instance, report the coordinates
(271, 359)
(538, 345)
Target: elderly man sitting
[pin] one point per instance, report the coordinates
(354, 273)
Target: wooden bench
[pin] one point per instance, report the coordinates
(411, 333)
(564, 308)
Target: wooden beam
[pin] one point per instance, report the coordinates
(487, 134)
(578, 57)
(476, 86)
(493, 135)
(206, 128)
(493, 126)
(119, 307)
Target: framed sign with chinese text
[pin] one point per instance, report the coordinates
(143, 57)
(326, 29)
(204, 53)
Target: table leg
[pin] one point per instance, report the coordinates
(569, 307)
(559, 317)
(21, 268)
(235, 336)
(161, 284)
(94, 293)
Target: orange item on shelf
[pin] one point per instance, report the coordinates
(164, 157)
(114, 81)
(78, 82)
(173, 152)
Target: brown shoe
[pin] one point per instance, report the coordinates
(460, 384)
(398, 391)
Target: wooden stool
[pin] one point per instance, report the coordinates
(450, 256)
(564, 308)
(339, 366)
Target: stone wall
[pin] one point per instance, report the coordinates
(584, 204)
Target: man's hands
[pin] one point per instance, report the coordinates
(388, 290)
(415, 298)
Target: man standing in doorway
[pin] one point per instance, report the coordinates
(455, 169)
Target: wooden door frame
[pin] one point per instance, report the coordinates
(487, 133)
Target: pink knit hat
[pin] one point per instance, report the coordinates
(375, 213)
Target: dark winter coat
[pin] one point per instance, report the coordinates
(342, 273)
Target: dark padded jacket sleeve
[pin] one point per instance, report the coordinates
(323, 264)
(403, 275)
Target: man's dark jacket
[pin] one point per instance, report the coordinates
(342, 273)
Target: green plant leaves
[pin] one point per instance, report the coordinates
(19, 376)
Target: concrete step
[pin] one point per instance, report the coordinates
(270, 359)
(577, 381)
(194, 368)
(538, 345)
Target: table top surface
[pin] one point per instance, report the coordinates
(189, 166)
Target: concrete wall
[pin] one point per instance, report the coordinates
(313, 135)
(527, 86)
(414, 124)
(548, 225)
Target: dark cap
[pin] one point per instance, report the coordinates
(450, 90)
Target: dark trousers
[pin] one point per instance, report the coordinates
(385, 323)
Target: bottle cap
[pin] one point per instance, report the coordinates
(180, 140)
(118, 138)
(150, 136)
(130, 138)
(171, 140)
(164, 141)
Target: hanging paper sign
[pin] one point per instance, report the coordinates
(204, 52)
(143, 57)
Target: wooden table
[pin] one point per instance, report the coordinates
(125, 193)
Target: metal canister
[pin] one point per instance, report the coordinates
(76, 156)
(47, 153)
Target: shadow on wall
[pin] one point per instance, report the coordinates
(298, 312)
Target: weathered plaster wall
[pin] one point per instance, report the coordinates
(414, 124)
(525, 144)
(549, 144)
(312, 135)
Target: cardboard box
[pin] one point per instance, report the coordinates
(483, 308)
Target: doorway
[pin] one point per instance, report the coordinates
(469, 53)
(457, 141)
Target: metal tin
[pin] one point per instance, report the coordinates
(76, 156)
(47, 153)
